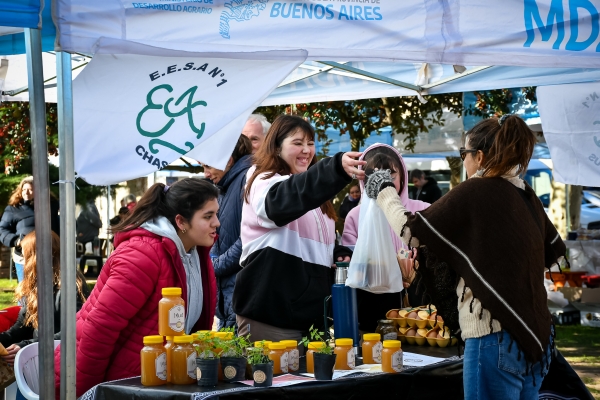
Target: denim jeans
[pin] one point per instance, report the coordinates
(490, 371)
(20, 272)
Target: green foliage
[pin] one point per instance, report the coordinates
(236, 346)
(316, 336)
(207, 349)
(15, 136)
(256, 355)
(494, 103)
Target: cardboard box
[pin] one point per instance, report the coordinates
(589, 314)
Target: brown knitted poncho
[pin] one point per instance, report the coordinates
(499, 240)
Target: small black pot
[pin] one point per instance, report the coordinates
(263, 374)
(324, 366)
(234, 368)
(208, 371)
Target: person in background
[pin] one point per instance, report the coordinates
(372, 306)
(164, 242)
(350, 201)
(226, 251)
(427, 188)
(117, 219)
(88, 223)
(18, 220)
(130, 201)
(483, 250)
(25, 330)
(256, 129)
(288, 233)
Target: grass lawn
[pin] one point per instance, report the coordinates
(580, 345)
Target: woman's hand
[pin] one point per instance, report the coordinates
(407, 266)
(377, 179)
(350, 163)
(12, 351)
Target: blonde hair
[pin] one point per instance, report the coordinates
(27, 288)
(16, 197)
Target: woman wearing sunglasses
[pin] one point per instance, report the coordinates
(483, 249)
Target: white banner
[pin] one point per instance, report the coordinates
(541, 33)
(135, 114)
(571, 122)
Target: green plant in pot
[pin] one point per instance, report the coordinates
(207, 359)
(233, 362)
(323, 357)
(262, 366)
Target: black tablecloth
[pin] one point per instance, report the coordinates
(438, 381)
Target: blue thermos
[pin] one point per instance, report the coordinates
(345, 310)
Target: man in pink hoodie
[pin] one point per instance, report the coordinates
(372, 307)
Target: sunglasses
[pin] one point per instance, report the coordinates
(463, 152)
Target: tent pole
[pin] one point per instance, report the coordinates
(108, 198)
(41, 184)
(371, 75)
(68, 267)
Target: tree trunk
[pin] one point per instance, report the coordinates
(558, 204)
(575, 195)
(455, 171)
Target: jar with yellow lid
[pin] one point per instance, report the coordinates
(153, 361)
(391, 357)
(371, 348)
(168, 348)
(278, 354)
(345, 354)
(183, 361)
(313, 347)
(259, 344)
(171, 313)
(293, 354)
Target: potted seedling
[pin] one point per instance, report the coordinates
(262, 366)
(207, 359)
(324, 358)
(233, 362)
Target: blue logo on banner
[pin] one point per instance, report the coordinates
(555, 21)
(240, 10)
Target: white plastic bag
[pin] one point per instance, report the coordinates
(374, 266)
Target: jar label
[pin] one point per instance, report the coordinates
(284, 362)
(397, 361)
(350, 358)
(191, 366)
(230, 372)
(390, 336)
(161, 366)
(294, 360)
(377, 349)
(177, 318)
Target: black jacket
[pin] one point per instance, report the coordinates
(347, 205)
(430, 192)
(227, 250)
(88, 223)
(18, 221)
(22, 335)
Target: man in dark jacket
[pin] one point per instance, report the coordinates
(88, 223)
(427, 188)
(227, 250)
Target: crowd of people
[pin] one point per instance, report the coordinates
(255, 245)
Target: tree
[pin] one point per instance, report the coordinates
(361, 118)
(15, 136)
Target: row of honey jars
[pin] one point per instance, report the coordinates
(174, 362)
(171, 313)
(284, 354)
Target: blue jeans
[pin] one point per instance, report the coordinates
(20, 272)
(490, 371)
